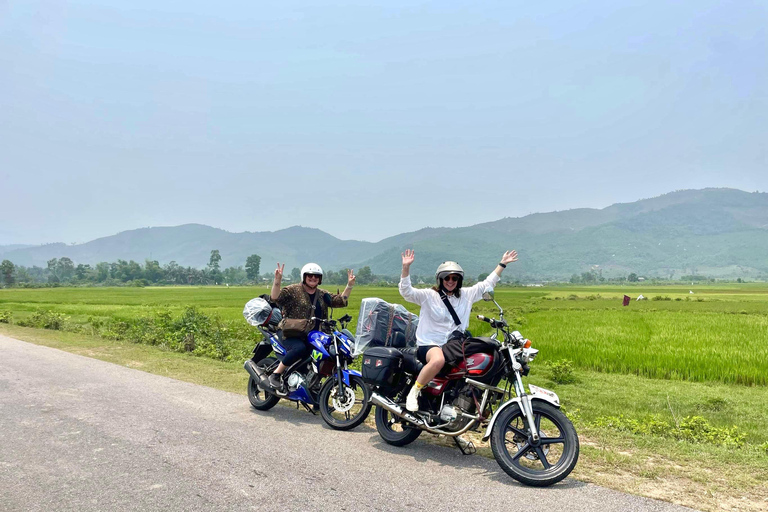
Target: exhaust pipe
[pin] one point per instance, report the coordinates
(389, 405)
(254, 371)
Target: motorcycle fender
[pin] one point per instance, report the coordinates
(346, 373)
(512, 403)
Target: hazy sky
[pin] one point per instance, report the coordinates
(366, 119)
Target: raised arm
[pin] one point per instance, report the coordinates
(476, 291)
(351, 278)
(407, 291)
(275, 292)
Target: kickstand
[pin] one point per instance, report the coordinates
(466, 446)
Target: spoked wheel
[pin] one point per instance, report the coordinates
(392, 429)
(261, 399)
(348, 410)
(538, 463)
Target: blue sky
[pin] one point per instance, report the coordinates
(367, 119)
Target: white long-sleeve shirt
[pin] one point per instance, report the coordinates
(435, 321)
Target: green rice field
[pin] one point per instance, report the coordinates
(717, 333)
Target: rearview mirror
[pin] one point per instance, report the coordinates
(488, 295)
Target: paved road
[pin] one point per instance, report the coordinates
(82, 434)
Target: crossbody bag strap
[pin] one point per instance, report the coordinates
(450, 308)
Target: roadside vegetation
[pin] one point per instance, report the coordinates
(669, 396)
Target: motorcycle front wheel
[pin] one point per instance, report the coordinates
(349, 410)
(541, 463)
(392, 430)
(260, 399)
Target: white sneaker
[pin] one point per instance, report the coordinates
(412, 401)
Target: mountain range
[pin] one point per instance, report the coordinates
(713, 232)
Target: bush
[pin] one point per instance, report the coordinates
(562, 371)
(6, 317)
(45, 319)
(693, 429)
(193, 332)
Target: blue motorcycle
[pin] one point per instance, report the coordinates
(320, 381)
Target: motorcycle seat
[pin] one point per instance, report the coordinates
(411, 364)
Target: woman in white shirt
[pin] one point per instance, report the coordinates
(435, 321)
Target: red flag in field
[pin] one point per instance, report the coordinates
(626, 300)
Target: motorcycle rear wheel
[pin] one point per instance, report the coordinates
(392, 430)
(353, 409)
(262, 400)
(541, 464)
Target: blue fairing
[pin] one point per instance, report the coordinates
(319, 340)
(276, 346)
(302, 395)
(346, 373)
(345, 344)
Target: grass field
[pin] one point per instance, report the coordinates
(640, 371)
(716, 334)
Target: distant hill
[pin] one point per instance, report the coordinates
(717, 232)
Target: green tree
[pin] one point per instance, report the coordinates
(482, 276)
(234, 275)
(252, 264)
(6, 271)
(632, 278)
(102, 271)
(213, 263)
(152, 271)
(295, 274)
(82, 272)
(365, 276)
(213, 267)
(53, 270)
(66, 269)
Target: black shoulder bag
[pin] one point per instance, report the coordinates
(453, 350)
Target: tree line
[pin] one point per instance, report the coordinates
(65, 272)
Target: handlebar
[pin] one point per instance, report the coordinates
(331, 322)
(497, 324)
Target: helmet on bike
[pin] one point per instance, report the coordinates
(449, 267)
(312, 268)
(259, 311)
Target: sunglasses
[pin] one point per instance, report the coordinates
(316, 276)
(451, 277)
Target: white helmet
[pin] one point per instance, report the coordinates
(448, 267)
(312, 268)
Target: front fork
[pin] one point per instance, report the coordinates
(339, 377)
(525, 405)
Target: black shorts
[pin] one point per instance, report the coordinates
(421, 352)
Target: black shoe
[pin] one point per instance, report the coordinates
(275, 381)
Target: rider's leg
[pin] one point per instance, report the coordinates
(295, 349)
(435, 362)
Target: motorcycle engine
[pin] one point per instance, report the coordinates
(295, 381)
(462, 403)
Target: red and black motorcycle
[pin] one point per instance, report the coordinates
(532, 440)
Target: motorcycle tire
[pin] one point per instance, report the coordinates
(531, 464)
(262, 400)
(384, 424)
(349, 415)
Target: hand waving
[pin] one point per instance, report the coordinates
(408, 257)
(509, 257)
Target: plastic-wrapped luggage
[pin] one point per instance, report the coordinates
(260, 311)
(381, 324)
